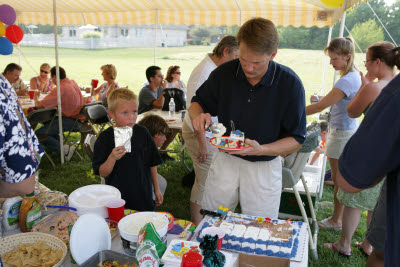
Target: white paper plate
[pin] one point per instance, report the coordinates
(92, 198)
(89, 235)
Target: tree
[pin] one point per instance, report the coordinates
(200, 32)
(367, 33)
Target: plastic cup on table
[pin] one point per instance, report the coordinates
(94, 83)
(31, 93)
(192, 259)
(115, 208)
(213, 231)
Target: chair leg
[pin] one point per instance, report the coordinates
(314, 218)
(313, 245)
(52, 162)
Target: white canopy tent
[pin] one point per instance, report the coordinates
(297, 13)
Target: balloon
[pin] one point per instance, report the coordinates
(332, 3)
(7, 14)
(2, 29)
(14, 33)
(6, 47)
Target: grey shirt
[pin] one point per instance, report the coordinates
(146, 98)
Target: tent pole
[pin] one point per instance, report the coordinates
(58, 84)
(326, 63)
(155, 36)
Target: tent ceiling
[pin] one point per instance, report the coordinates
(208, 12)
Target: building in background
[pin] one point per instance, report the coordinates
(92, 37)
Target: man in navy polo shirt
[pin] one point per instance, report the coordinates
(263, 99)
(371, 153)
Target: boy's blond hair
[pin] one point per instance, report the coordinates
(119, 95)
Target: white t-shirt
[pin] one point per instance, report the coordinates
(198, 76)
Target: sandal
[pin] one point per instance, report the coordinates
(333, 247)
(358, 245)
(327, 225)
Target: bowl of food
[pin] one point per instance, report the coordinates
(107, 258)
(44, 250)
(130, 226)
(92, 199)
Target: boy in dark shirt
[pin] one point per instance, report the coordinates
(134, 171)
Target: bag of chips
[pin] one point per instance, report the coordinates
(150, 247)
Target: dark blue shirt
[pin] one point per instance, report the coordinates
(131, 173)
(374, 151)
(271, 110)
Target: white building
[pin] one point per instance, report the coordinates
(113, 36)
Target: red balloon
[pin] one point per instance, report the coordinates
(14, 33)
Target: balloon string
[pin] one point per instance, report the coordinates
(27, 61)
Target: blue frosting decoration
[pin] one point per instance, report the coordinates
(238, 133)
(222, 143)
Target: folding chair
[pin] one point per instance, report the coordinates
(97, 117)
(292, 172)
(83, 130)
(42, 116)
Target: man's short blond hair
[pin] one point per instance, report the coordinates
(260, 35)
(110, 70)
(118, 95)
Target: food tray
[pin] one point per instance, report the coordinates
(56, 224)
(108, 255)
(13, 241)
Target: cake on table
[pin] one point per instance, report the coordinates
(256, 235)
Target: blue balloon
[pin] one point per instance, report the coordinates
(6, 47)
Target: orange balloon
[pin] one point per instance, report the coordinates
(332, 3)
(2, 29)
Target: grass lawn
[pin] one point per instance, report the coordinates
(83, 65)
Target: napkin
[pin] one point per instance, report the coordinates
(123, 136)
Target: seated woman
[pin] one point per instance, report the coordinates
(174, 79)
(109, 73)
(158, 129)
(43, 82)
(380, 65)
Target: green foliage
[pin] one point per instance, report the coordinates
(92, 34)
(194, 42)
(367, 33)
(200, 32)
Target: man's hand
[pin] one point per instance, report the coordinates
(118, 152)
(201, 122)
(255, 149)
(159, 197)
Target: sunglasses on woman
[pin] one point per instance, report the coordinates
(177, 73)
(44, 71)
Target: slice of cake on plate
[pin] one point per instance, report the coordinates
(236, 139)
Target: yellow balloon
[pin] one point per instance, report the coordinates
(2, 29)
(332, 3)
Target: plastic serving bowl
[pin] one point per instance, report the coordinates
(129, 239)
(92, 199)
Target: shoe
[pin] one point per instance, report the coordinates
(69, 152)
(166, 157)
(327, 225)
(333, 247)
(358, 245)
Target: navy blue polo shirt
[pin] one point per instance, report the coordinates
(271, 110)
(374, 151)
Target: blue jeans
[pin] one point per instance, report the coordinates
(53, 140)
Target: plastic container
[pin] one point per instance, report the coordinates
(30, 212)
(11, 213)
(316, 98)
(192, 259)
(129, 239)
(172, 107)
(108, 255)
